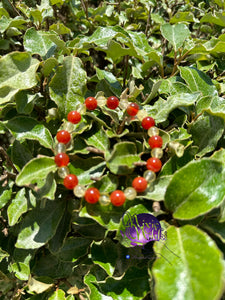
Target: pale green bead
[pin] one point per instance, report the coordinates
(60, 148)
(149, 175)
(63, 172)
(69, 126)
(79, 191)
(130, 193)
(101, 100)
(142, 114)
(157, 152)
(104, 200)
(153, 131)
(81, 108)
(123, 104)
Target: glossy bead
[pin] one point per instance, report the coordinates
(132, 109)
(147, 123)
(155, 141)
(68, 127)
(153, 131)
(62, 159)
(154, 164)
(104, 200)
(79, 191)
(149, 176)
(157, 152)
(60, 148)
(63, 172)
(112, 102)
(117, 198)
(74, 117)
(70, 181)
(81, 108)
(140, 184)
(101, 101)
(63, 136)
(92, 195)
(91, 103)
(123, 104)
(130, 193)
(141, 114)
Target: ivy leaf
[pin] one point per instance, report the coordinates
(188, 262)
(58, 295)
(158, 189)
(175, 34)
(89, 228)
(206, 191)
(28, 128)
(21, 270)
(17, 72)
(36, 169)
(38, 286)
(122, 158)
(37, 231)
(3, 254)
(91, 282)
(5, 195)
(68, 85)
(17, 207)
(198, 81)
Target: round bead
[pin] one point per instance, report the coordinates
(140, 184)
(153, 131)
(91, 103)
(157, 152)
(104, 200)
(62, 159)
(81, 108)
(60, 148)
(154, 164)
(141, 114)
(147, 122)
(149, 176)
(63, 172)
(112, 102)
(74, 117)
(130, 193)
(123, 104)
(63, 136)
(79, 191)
(117, 198)
(132, 109)
(69, 127)
(101, 101)
(92, 195)
(155, 141)
(70, 181)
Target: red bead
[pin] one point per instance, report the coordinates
(62, 159)
(155, 141)
(117, 198)
(140, 184)
(74, 117)
(91, 103)
(154, 164)
(63, 136)
(92, 195)
(148, 122)
(132, 109)
(112, 102)
(70, 181)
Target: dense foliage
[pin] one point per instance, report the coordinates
(167, 56)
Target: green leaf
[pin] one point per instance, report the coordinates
(91, 282)
(40, 225)
(38, 286)
(3, 254)
(48, 189)
(198, 81)
(28, 128)
(17, 207)
(22, 271)
(109, 80)
(183, 16)
(89, 228)
(158, 189)
(218, 18)
(17, 72)
(5, 196)
(188, 263)
(214, 228)
(175, 34)
(217, 107)
(214, 126)
(36, 169)
(122, 158)
(206, 191)
(68, 85)
(57, 295)
(25, 102)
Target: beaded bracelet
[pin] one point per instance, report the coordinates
(139, 185)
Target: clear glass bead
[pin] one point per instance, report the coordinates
(79, 191)
(68, 126)
(60, 148)
(101, 100)
(130, 193)
(123, 104)
(149, 175)
(153, 131)
(104, 200)
(142, 114)
(81, 108)
(63, 172)
(157, 152)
